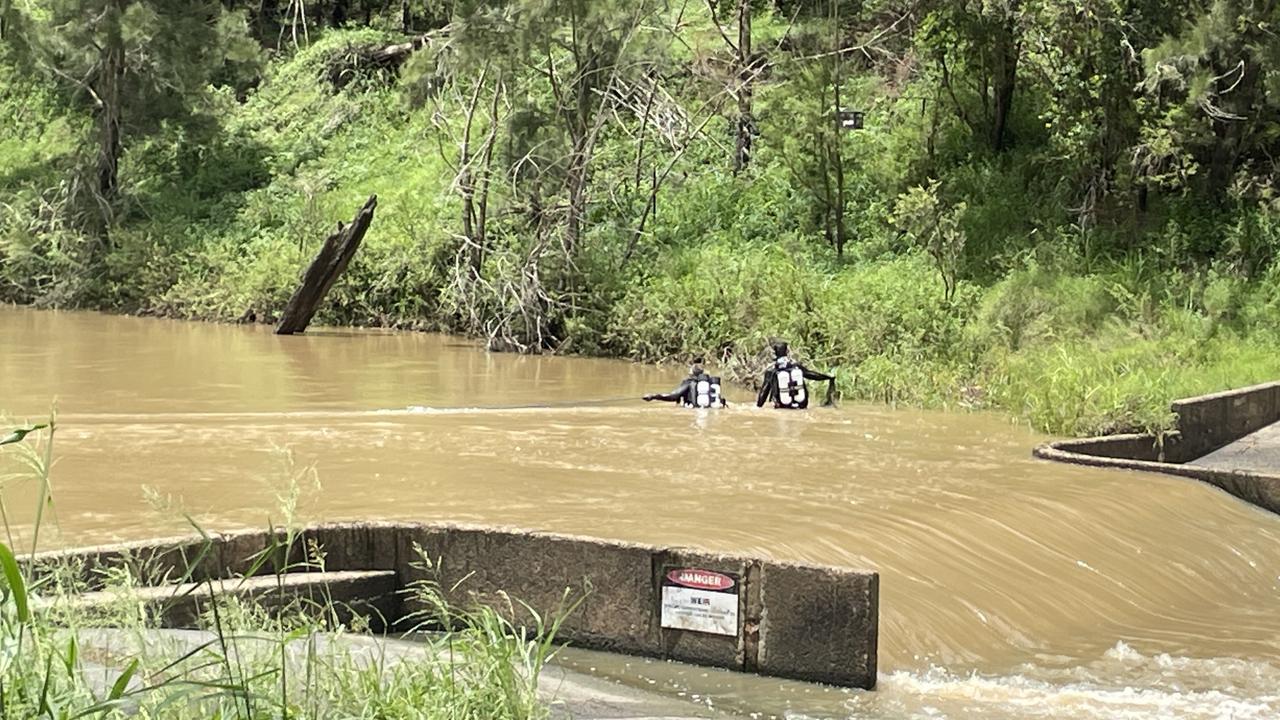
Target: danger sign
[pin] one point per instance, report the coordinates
(700, 600)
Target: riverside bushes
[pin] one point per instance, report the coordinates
(964, 275)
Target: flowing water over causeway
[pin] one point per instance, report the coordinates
(1010, 587)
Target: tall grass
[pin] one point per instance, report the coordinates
(57, 660)
(1072, 330)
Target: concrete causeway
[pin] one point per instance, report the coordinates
(1229, 439)
(791, 620)
(1256, 452)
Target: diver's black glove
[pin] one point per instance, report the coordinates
(648, 398)
(831, 393)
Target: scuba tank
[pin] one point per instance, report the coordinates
(789, 382)
(704, 392)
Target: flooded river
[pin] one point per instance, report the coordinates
(1010, 587)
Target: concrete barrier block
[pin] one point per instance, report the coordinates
(260, 552)
(703, 648)
(1203, 423)
(608, 584)
(1208, 422)
(1134, 447)
(804, 622)
(356, 546)
(369, 595)
(1255, 488)
(843, 604)
(345, 546)
(1250, 412)
(195, 559)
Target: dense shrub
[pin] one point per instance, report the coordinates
(1074, 326)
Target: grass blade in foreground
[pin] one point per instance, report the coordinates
(17, 584)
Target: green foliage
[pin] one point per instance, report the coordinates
(16, 584)
(39, 254)
(1092, 181)
(1034, 306)
(934, 228)
(727, 301)
(1209, 77)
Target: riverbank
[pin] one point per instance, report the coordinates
(1074, 334)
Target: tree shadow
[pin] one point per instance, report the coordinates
(192, 169)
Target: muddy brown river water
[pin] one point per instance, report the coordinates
(1010, 587)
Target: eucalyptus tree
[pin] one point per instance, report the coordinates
(131, 65)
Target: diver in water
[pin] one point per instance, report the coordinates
(784, 383)
(699, 390)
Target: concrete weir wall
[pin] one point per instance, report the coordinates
(805, 622)
(1204, 424)
(1208, 422)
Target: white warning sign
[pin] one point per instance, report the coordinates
(700, 600)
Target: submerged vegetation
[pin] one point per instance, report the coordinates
(302, 658)
(1063, 209)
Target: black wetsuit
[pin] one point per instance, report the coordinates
(769, 390)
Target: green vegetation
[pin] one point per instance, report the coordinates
(64, 659)
(1062, 209)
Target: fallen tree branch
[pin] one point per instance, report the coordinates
(329, 263)
(348, 63)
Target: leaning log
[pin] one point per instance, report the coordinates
(324, 271)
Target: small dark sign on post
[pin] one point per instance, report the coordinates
(850, 119)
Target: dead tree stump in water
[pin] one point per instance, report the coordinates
(329, 263)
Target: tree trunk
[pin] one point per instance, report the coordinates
(109, 136)
(1004, 76)
(268, 21)
(837, 208)
(481, 246)
(746, 123)
(466, 173)
(467, 187)
(837, 153)
(107, 91)
(105, 87)
(576, 180)
(586, 83)
(1006, 80)
(324, 270)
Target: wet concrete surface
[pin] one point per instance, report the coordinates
(568, 694)
(1258, 452)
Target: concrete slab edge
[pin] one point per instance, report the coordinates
(1204, 424)
(1260, 489)
(795, 620)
